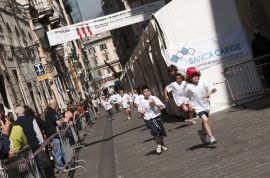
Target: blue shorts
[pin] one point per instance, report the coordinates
(200, 114)
(156, 126)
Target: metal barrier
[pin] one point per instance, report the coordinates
(69, 152)
(23, 165)
(248, 79)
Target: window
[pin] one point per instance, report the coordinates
(95, 61)
(10, 34)
(17, 32)
(92, 50)
(106, 57)
(108, 70)
(103, 46)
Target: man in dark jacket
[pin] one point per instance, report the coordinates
(51, 122)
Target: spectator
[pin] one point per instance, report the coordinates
(30, 128)
(51, 122)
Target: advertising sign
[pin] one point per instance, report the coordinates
(103, 24)
(41, 74)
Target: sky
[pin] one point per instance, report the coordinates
(89, 8)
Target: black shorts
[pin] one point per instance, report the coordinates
(156, 126)
(200, 114)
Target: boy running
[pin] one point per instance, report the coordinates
(178, 91)
(108, 107)
(124, 101)
(199, 92)
(150, 107)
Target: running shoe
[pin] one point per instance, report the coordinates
(213, 140)
(159, 149)
(202, 136)
(164, 147)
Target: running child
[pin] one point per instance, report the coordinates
(199, 92)
(178, 91)
(108, 107)
(125, 100)
(150, 107)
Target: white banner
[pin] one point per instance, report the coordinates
(103, 24)
(210, 51)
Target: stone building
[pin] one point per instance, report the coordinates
(100, 48)
(18, 54)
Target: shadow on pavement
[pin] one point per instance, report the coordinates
(107, 139)
(171, 118)
(153, 152)
(179, 127)
(148, 140)
(199, 146)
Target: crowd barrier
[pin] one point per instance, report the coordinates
(23, 165)
(248, 79)
(65, 134)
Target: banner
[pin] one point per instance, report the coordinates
(103, 24)
(207, 52)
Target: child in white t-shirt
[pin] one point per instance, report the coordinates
(125, 100)
(108, 106)
(114, 99)
(199, 92)
(178, 91)
(150, 107)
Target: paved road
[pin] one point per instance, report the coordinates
(124, 148)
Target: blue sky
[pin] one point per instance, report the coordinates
(90, 8)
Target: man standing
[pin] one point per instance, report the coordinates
(51, 122)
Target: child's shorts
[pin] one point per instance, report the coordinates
(156, 126)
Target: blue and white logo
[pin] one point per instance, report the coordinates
(39, 69)
(181, 53)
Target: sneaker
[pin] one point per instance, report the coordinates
(112, 118)
(202, 136)
(191, 121)
(129, 118)
(213, 140)
(159, 149)
(164, 147)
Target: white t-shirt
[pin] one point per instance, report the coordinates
(94, 103)
(114, 99)
(134, 97)
(150, 112)
(178, 92)
(138, 98)
(124, 100)
(198, 95)
(107, 105)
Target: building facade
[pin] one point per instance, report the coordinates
(126, 37)
(18, 56)
(100, 50)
